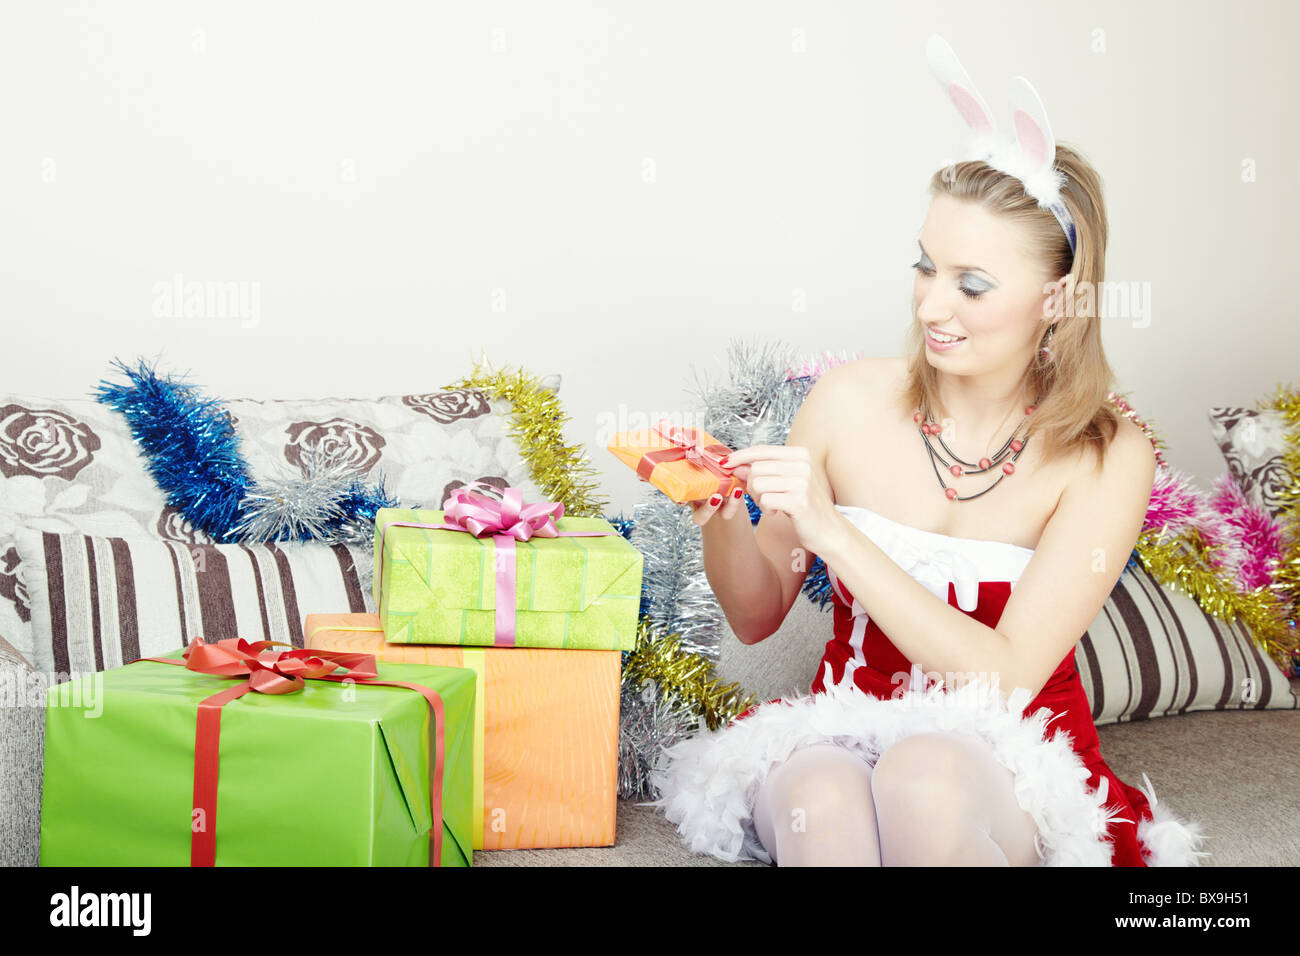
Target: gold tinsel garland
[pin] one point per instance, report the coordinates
(1183, 562)
(562, 472)
(1286, 577)
(659, 657)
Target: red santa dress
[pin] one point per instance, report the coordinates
(866, 696)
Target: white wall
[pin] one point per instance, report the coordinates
(377, 170)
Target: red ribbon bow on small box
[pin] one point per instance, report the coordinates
(688, 446)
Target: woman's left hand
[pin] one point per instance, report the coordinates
(780, 478)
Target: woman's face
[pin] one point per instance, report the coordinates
(974, 280)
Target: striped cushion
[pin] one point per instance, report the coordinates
(1152, 652)
(99, 602)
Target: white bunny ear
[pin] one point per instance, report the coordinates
(1033, 131)
(947, 69)
(1035, 142)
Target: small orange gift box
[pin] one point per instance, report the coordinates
(545, 732)
(683, 463)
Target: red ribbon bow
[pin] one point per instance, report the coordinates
(688, 445)
(282, 672)
(274, 672)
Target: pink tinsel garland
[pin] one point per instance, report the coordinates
(1247, 540)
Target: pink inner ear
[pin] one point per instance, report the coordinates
(969, 108)
(1032, 141)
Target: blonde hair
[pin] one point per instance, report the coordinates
(1073, 413)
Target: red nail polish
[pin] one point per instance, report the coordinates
(723, 460)
(738, 492)
(715, 499)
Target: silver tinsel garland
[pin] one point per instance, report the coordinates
(757, 402)
(307, 505)
(674, 590)
(650, 721)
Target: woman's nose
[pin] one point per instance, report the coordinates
(933, 307)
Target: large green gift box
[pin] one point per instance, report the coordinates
(439, 586)
(335, 774)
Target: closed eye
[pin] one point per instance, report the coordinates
(965, 290)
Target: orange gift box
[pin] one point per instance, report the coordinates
(683, 463)
(545, 732)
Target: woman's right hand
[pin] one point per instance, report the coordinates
(702, 511)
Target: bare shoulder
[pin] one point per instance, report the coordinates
(1130, 459)
(851, 390)
(845, 397)
(1133, 453)
(871, 375)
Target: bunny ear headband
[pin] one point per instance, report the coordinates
(1031, 157)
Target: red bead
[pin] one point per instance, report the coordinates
(1008, 468)
(985, 464)
(1017, 444)
(951, 493)
(956, 470)
(1030, 409)
(916, 417)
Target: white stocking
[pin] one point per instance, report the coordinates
(815, 809)
(943, 799)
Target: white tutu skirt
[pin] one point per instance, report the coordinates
(707, 783)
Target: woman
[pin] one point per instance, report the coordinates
(925, 738)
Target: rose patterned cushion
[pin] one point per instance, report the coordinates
(424, 446)
(72, 465)
(1252, 442)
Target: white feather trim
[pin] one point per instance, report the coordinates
(1044, 183)
(1169, 840)
(707, 783)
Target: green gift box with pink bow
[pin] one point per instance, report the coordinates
(491, 571)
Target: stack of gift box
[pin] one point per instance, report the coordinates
(479, 709)
(546, 662)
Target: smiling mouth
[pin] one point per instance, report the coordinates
(945, 339)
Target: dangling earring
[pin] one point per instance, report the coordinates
(1046, 351)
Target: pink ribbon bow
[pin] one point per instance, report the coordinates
(508, 520)
(479, 514)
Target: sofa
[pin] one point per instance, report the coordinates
(1233, 770)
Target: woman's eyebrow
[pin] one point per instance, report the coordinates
(961, 268)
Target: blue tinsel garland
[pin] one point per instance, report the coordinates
(192, 452)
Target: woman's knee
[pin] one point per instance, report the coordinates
(822, 783)
(952, 783)
(922, 767)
